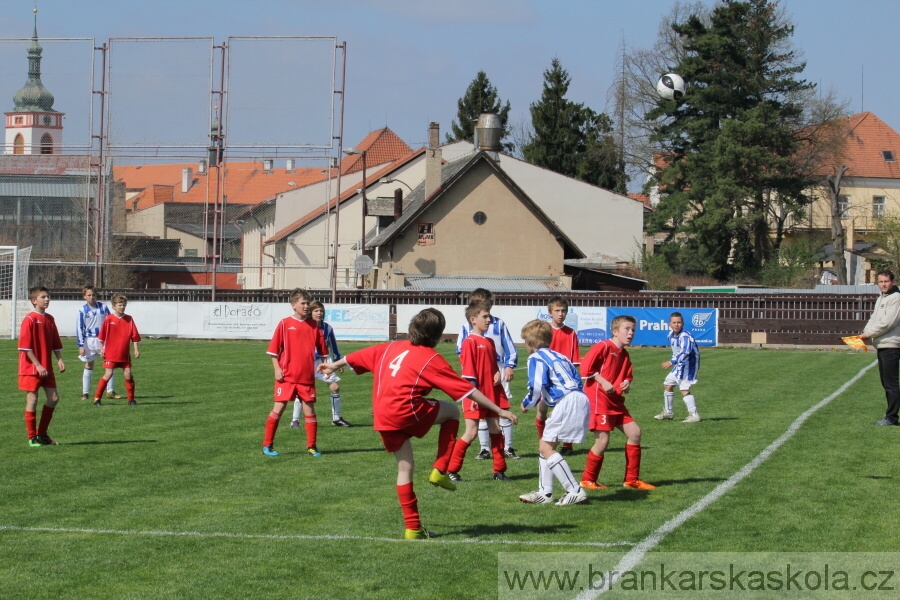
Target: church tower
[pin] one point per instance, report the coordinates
(33, 127)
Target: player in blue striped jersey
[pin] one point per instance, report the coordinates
(317, 312)
(685, 365)
(507, 360)
(90, 318)
(555, 382)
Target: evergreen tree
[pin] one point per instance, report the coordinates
(731, 140)
(480, 97)
(570, 138)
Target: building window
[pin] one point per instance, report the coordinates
(888, 155)
(843, 206)
(426, 234)
(18, 120)
(19, 144)
(190, 252)
(877, 206)
(46, 144)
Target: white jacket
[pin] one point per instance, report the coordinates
(883, 327)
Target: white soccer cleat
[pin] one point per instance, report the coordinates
(537, 497)
(664, 416)
(573, 498)
(694, 418)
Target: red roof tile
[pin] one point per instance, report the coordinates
(869, 137)
(381, 146)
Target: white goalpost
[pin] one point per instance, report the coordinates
(14, 304)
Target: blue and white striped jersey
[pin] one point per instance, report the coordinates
(551, 376)
(89, 322)
(503, 341)
(330, 342)
(685, 356)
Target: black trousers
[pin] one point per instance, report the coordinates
(889, 369)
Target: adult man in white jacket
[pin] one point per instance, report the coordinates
(883, 330)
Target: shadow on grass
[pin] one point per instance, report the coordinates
(111, 442)
(484, 530)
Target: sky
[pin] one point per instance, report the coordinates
(409, 61)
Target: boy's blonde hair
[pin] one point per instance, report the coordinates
(298, 293)
(427, 327)
(537, 334)
(475, 308)
(86, 289)
(622, 319)
(557, 301)
(116, 298)
(33, 292)
(482, 295)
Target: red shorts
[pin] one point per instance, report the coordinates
(286, 391)
(608, 422)
(474, 411)
(503, 403)
(108, 364)
(395, 438)
(32, 383)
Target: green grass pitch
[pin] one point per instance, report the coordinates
(173, 498)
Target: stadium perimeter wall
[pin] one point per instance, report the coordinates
(772, 319)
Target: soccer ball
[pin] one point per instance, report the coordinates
(670, 86)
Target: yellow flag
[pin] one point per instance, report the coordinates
(855, 342)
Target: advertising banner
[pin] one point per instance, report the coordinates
(652, 328)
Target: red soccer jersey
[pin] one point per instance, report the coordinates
(295, 343)
(478, 359)
(565, 341)
(38, 334)
(117, 334)
(614, 365)
(403, 375)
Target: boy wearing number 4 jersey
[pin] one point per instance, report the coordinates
(404, 373)
(608, 375)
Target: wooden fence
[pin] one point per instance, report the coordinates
(799, 319)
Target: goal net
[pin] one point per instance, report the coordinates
(14, 303)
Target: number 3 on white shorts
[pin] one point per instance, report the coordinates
(394, 365)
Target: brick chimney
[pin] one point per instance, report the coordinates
(433, 160)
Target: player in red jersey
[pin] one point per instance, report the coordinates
(293, 349)
(564, 341)
(478, 359)
(404, 373)
(608, 374)
(38, 342)
(117, 335)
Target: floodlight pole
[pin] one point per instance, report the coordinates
(337, 196)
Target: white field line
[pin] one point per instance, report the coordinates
(247, 536)
(636, 554)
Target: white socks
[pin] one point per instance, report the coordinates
(335, 407)
(506, 427)
(668, 399)
(484, 436)
(559, 468)
(86, 377)
(691, 404)
(297, 408)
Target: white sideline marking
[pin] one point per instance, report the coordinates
(247, 536)
(636, 554)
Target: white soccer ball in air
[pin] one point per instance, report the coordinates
(670, 86)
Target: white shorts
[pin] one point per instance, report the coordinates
(332, 378)
(91, 350)
(506, 388)
(569, 419)
(683, 384)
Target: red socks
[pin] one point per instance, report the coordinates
(632, 462)
(539, 423)
(46, 415)
(592, 467)
(409, 505)
(271, 428)
(31, 423)
(129, 389)
(458, 456)
(446, 441)
(497, 452)
(101, 387)
(312, 427)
